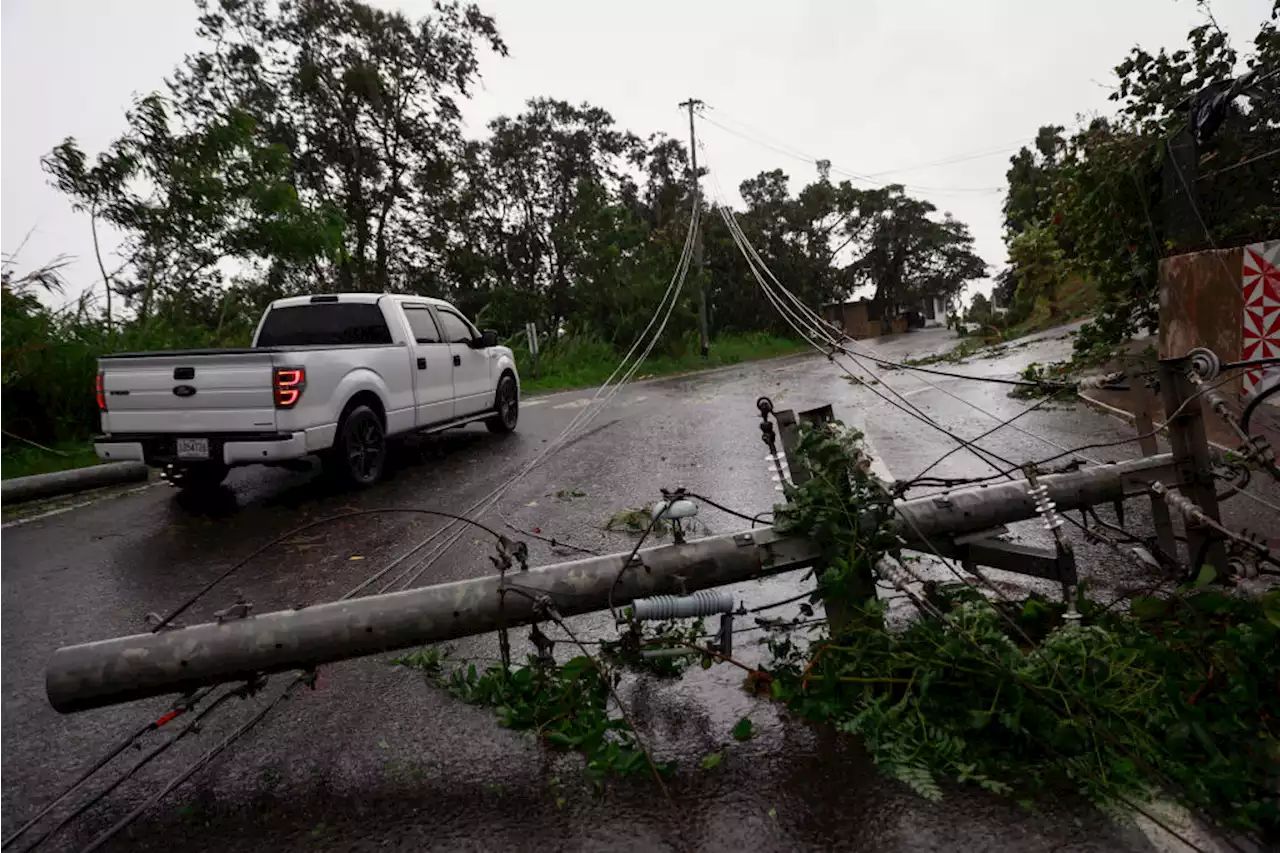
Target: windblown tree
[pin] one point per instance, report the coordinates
(1096, 204)
(366, 103)
(184, 200)
(908, 255)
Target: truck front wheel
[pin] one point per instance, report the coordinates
(359, 454)
(506, 406)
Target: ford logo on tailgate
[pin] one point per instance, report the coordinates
(184, 390)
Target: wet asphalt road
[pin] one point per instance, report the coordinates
(377, 758)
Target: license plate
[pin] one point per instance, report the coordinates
(193, 448)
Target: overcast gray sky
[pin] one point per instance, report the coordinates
(879, 87)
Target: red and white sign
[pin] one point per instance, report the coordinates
(1261, 289)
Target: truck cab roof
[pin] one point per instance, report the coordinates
(365, 298)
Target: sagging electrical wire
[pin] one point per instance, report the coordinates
(1252, 407)
(935, 463)
(550, 540)
(581, 419)
(182, 706)
(804, 596)
(797, 324)
(120, 825)
(191, 727)
(1039, 463)
(706, 500)
(626, 564)
(816, 325)
(162, 623)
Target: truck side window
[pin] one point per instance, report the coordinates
(325, 324)
(422, 324)
(456, 329)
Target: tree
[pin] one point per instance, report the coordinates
(979, 310)
(365, 102)
(187, 199)
(907, 255)
(1095, 202)
(1030, 180)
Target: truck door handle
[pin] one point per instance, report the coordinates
(457, 361)
(422, 364)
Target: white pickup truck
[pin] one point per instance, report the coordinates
(332, 375)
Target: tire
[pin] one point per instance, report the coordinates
(200, 477)
(359, 455)
(506, 406)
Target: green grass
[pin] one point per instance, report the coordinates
(1076, 298)
(577, 362)
(21, 460)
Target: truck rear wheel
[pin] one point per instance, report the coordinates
(506, 406)
(359, 455)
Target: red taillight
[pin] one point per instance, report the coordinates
(102, 395)
(288, 383)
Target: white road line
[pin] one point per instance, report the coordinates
(60, 510)
(529, 404)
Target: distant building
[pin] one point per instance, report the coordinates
(935, 310)
(863, 318)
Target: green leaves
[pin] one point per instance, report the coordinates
(567, 707)
(743, 730)
(1181, 693)
(712, 761)
(1271, 607)
(1205, 576)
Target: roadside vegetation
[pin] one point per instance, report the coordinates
(1090, 211)
(1166, 693)
(573, 362)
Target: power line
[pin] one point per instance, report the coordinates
(853, 175)
(587, 414)
(1002, 148)
(584, 417)
(194, 768)
(815, 324)
(796, 321)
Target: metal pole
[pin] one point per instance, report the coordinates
(129, 668)
(1165, 537)
(697, 235)
(532, 329)
(1192, 462)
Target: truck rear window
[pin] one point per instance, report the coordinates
(324, 324)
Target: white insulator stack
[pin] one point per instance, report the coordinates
(1046, 507)
(779, 470)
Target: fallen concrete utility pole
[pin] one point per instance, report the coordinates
(129, 668)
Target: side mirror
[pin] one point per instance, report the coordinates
(488, 338)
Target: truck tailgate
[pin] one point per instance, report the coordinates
(188, 392)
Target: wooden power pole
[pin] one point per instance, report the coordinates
(697, 233)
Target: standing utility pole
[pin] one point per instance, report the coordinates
(697, 233)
